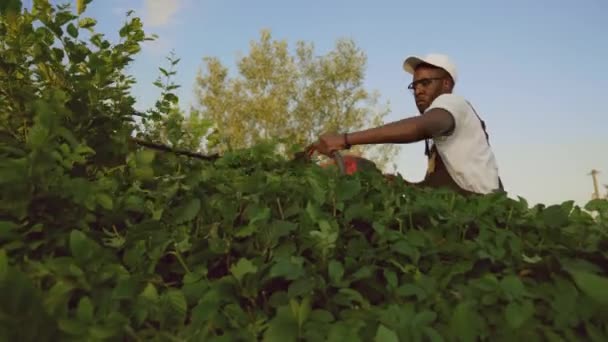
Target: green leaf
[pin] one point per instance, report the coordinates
(384, 334)
(531, 260)
(403, 247)
(318, 191)
(85, 310)
(105, 201)
(177, 301)
(7, 226)
(301, 310)
(346, 189)
(290, 269)
(321, 316)
(555, 216)
(347, 296)
(125, 288)
(551, 335)
(432, 334)
(347, 331)
(72, 327)
(257, 215)
(104, 332)
(513, 287)
(592, 285)
(145, 157)
(517, 313)
(301, 287)
(423, 318)
(336, 271)
(194, 286)
(408, 289)
(313, 211)
(38, 136)
(81, 247)
(3, 265)
(81, 6)
(599, 205)
(72, 30)
(144, 173)
(364, 272)
(10, 6)
(150, 293)
(282, 327)
(57, 296)
(241, 268)
(464, 322)
(187, 211)
(171, 98)
(205, 310)
(391, 278)
(87, 23)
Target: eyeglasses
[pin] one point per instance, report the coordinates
(425, 82)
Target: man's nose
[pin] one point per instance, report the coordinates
(418, 91)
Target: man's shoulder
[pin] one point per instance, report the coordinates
(449, 99)
(455, 104)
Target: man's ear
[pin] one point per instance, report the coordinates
(447, 86)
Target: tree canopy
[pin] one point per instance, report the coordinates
(290, 95)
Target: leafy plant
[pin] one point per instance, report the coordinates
(101, 239)
(295, 96)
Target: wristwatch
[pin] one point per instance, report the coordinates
(347, 146)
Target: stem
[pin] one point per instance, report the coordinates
(452, 199)
(411, 220)
(166, 148)
(334, 204)
(509, 218)
(280, 209)
(180, 259)
(299, 331)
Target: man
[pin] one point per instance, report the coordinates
(460, 156)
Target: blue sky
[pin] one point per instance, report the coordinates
(534, 70)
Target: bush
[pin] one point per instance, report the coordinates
(104, 240)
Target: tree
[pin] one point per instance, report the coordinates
(167, 123)
(290, 97)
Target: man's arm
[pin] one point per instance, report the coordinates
(436, 122)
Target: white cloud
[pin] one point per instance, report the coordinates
(159, 13)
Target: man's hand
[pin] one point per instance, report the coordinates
(329, 143)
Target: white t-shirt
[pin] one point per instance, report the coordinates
(466, 152)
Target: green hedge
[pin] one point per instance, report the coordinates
(251, 247)
(101, 240)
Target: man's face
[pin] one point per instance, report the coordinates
(427, 84)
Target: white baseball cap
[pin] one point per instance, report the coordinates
(436, 59)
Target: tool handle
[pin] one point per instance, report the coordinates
(337, 156)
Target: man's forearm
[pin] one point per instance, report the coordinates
(398, 132)
(434, 123)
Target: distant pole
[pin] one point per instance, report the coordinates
(596, 191)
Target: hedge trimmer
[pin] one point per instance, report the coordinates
(347, 165)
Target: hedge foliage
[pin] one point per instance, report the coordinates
(103, 240)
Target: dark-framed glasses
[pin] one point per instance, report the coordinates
(424, 82)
